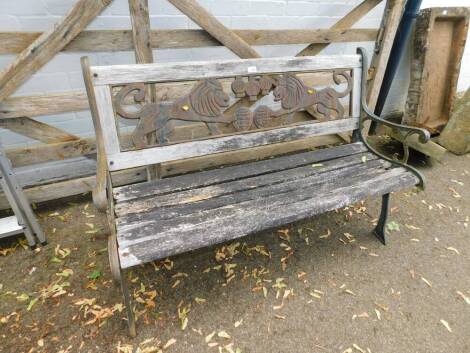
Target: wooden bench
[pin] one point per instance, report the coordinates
(159, 218)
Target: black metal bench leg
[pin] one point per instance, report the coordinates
(380, 228)
(128, 304)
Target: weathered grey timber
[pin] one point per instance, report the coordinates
(155, 219)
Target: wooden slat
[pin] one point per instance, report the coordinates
(231, 222)
(78, 186)
(49, 44)
(37, 130)
(345, 23)
(215, 28)
(135, 220)
(392, 16)
(211, 177)
(55, 103)
(86, 146)
(150, 212)
(149, 156)
(121, 40)
(203, 193)
(193, 71)
(107, 119)
(47, 104)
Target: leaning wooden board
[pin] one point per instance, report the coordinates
(440, 38)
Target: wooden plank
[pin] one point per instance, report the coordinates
(198, 200)
(147, 203)
(141, 31)
(193, 71)
(55, 103)
(107, 118)
(215, 28)
(47, 104)
(135, 220)
(438, 48)
(342, 25)
(392, 17)
(230, 173)
(231, 222)
(49, 44)
(37, 130)
(77, 186)
(86, 146)
(121, 40)
(149, 156)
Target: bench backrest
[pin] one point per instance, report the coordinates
(214, 88)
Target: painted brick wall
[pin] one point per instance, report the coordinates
(63, 72)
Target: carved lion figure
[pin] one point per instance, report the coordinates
(204, 103)
(294, 95)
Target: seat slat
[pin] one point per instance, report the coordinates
(235, 221)
(208, 192)
(155, 218)
(216, 176)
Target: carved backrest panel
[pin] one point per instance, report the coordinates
(162, 112)
(230, 105)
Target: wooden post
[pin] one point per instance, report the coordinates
(392, 16)
(345, 23)
(44, 48)
(206, 20)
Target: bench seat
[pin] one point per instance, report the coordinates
(166, 217)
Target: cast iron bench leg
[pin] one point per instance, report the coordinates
(380, 229)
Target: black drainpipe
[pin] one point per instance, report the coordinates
(399, 45)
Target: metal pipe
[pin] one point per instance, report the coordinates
(399, 45)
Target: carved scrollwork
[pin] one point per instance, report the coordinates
(207, 101)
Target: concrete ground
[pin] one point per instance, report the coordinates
(322, 285)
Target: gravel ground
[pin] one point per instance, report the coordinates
(322, 285)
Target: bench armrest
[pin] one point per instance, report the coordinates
(367, 114)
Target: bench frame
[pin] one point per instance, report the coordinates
(111, 159)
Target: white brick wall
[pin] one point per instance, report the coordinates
(63, 72)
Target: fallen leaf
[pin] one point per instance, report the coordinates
(169, 343)
(223, 334)
(446, 325)
(238, 323)
(209, 336)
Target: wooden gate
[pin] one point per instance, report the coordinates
(67, 162)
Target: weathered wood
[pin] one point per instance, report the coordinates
(37, 130)
(230, 173)
(231, 194)
(121, 40)
(343, 25)
(194, 71)
(47, 104)
(77, 186)
(215, 28)
(55, 103)
(234, 221)
(148, 203)
(49, 44)
(141, 31)
(439, 43)
(430, 148)
(132, 159)
(55, 171)
(391, 20)
(99, 191)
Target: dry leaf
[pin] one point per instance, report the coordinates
(426, 281)
(223, 334)
(446, 325)
(238, 323)
(169, 343)
(209, 336)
